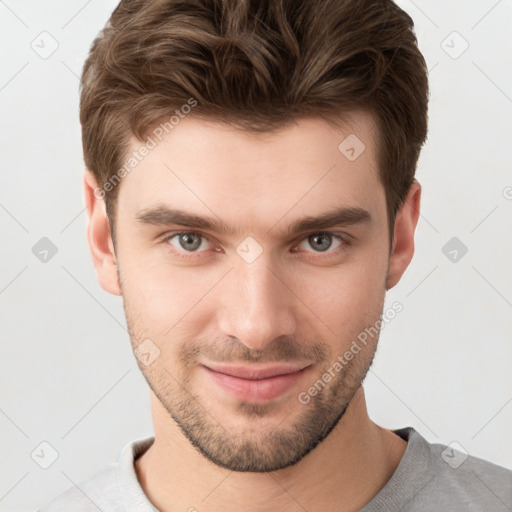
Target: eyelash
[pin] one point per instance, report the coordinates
(191, 255)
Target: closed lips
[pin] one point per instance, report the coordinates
(252, 373)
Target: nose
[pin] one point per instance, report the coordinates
(256, 305)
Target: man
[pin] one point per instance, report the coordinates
(251, 196)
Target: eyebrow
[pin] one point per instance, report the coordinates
(163, 216)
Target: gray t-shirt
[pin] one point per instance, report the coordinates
(430, 477)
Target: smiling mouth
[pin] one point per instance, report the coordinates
(256, 372)
(256, 384)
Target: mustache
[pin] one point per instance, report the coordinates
(232, 350)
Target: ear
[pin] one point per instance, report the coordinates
(99, 236)
(403, 241)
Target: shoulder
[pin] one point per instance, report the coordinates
(468, 476)
(114, 489)
(96, 493)
(439, 477)
(456, 479)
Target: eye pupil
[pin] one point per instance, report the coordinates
(193, 240)
(325, 241)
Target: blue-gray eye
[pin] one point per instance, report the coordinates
(321, 242)
(190, 242)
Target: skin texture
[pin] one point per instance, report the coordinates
(293, 304)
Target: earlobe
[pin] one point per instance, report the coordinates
(403, 242)
(99, 237)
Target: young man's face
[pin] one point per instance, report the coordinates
(258, 293)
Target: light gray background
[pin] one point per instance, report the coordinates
(68, 375)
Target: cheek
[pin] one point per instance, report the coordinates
(346, 298)
(164, 297)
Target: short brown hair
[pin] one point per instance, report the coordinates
(256, 65)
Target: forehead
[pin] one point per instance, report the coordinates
(207, 168)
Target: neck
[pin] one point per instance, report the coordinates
(343, 473)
